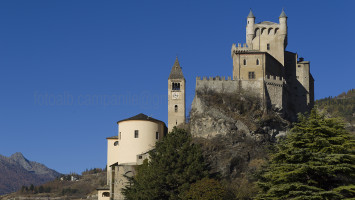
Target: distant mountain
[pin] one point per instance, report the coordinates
(16, 171)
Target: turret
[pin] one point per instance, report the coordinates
(283, 26)
(250, 29)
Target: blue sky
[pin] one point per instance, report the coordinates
(69, 70)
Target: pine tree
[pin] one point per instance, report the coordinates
(315, 161)
(174, 165)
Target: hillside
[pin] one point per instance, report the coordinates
(79, 187)
(16, 171)
(235, 135)
(342, 106)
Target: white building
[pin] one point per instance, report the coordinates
(136, 137)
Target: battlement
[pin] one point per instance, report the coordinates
(217, 78)
(274, 80)
(240, 48)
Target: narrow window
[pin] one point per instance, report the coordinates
(176, 108)
(268, 46)
(136, 134)
(251, 75)
(116, 143)
(299, 65)
(244, 62)
(175, 86)
(257, 61)
(140, 157)
(157, 135)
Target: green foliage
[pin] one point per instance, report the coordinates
(340, 106)
(174, 165)
(206, 189)
(315, 161)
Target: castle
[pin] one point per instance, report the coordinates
(261, 66)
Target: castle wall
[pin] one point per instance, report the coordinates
(223, 85)
(275, 91)
(268, 34)
(243, 63)
(273, 67)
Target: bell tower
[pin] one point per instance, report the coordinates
(176, 96)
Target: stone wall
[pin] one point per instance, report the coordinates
(120, 180)
(223, 85)
(275, 91)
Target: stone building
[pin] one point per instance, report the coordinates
(263, 66)
(176, 96)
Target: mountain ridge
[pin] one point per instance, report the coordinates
(16, 171)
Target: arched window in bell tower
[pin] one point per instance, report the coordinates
(175, 86)
(244, 62)
(176, 108)
(257, 62)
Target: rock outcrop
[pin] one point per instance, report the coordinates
(234, 130)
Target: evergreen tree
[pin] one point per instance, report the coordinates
(316, 161)
(207, 189)
(174, 165)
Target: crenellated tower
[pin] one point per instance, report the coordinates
(176, 96)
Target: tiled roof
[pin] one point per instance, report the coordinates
(176, 71)
(143, 117)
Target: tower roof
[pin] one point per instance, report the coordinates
(141, 117)
(251, 15)
(283, 14)
(176, 71)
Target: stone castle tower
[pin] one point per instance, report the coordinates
(176, 96)
(263, 66)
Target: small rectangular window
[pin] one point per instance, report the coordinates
(140, 157)
(251, 75)
(157, 135)
(135, 133)
(268, 46)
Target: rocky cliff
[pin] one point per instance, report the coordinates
(234, 130)
(16, 171)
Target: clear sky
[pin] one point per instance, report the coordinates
(69, 70)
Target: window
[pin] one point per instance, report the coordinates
(251, 75)
(105, 194)
(176, 108)
(176, 86)
(299, 65)
(257, 62)
(244, 62)
(157, 135)
(136, 134)
(140, 157)
(116, 143)
(268, 46)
